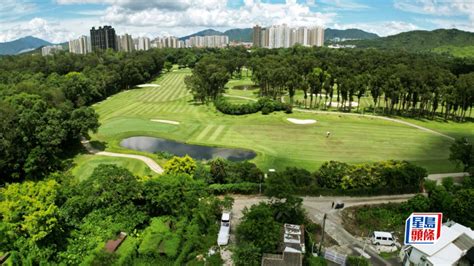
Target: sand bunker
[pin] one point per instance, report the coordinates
(334, 104)
(148, 85)
(165, 121)
(301, 121)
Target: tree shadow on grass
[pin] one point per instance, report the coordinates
(98, 145)
(193, 102)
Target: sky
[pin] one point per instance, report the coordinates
(62, 20)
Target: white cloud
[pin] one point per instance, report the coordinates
(215, 13)
(11, 9)
(343, 5)
(451, 24)
(38, 27)
(381, 28)
(438, 8)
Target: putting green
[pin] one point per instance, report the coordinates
(277, 142)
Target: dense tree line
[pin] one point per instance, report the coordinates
(44, 103)
(61, 221)
(397, 82)
(264, 104)
(386, 177)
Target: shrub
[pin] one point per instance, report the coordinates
(357, 261)
(266, 105)
(240, 188)
(266, 110)
(180, 165)
(316, 261)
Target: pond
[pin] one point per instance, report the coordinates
(151, 144)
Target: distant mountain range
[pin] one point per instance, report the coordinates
(246, 34)
(331, 34)
(242, 35)
(441, 40)
(21, 45)
(419, 40)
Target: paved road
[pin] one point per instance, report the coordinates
(148, 161)
(317, 206)
(456, 176)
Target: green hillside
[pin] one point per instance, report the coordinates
(330, 34)
(22, 45)
(246, 34)
(240, 35)
(466, 51)
(419, 40)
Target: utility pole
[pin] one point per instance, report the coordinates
(322, 236)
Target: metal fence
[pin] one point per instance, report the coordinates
(335, 257)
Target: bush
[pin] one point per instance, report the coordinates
(389, 176)
(357, 261)
(240, 188)
(266, 105)
(266, 110)
(316, 261)
(224, 171)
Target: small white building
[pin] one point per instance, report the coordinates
(454, 247)
(50, 49)
(293, 248)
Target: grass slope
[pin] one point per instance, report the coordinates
(85, 165)
(277, 142)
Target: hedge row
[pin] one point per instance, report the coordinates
(266, 105)
(318, 191)
(238, 188)
(254, 188)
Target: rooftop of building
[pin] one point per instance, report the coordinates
(454, 242)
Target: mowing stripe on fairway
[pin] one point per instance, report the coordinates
(204, 132)
(216, 132)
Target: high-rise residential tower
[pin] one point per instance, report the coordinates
(125, 43)
(103, 38)
(82, 45)
(282, 36)
(257, 36)
(143, 43)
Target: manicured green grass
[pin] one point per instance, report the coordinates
(277, 142)
(85, 165)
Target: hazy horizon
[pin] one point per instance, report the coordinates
(61, 20)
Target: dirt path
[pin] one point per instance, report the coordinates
(148, 161)
(240, 97)
(458, 177)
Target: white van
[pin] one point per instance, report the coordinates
(382, 238)
(224, 232)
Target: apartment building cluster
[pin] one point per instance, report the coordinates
(50, 49)
(105, 38)
(167, 42)
(283, 36)
(213, 41)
